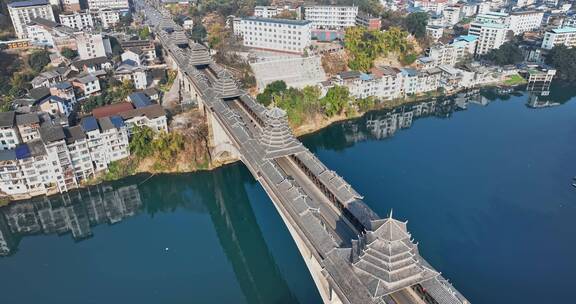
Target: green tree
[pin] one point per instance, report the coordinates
(564, 60)
(364, 45)
(144, 33)
(38, 60)
(69, 53)
(198, 32)
(167, 145)
(507, 53)
(415, 23)
(275, 88)
(336, 100)
(141, 141)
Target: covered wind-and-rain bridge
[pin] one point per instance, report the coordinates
(353, 255)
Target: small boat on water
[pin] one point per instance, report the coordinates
(574, 185)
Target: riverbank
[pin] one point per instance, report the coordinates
(187, 160)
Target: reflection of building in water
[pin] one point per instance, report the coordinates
(382, 125)
(6, 237)
(537, 100)
(538, 97)
(72, 212)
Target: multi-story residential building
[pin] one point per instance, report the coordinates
(23, 12)
(115, 137)
(524, 21)
(49, 33)
(292, 36)
(57, 159)
(432, 6)
(64, 90)
(390, 82)
(272, 11)
(113, 4)
(368, 21)
(28, 126)
(8, 131)
(152, 116)
(96, 144)
(451, 15)
(92, 45)
(434, 31)
(145, 47)
(133, 54)
(26, 170)
(56, 106)
(128, 70)
(79, 153)
(46, 79)
(107, 17)
(86, 85)
(62, 171)
(78, 19)
(329, 17)
(559, 36)
(450, 54)
(360, 85)
(265, 11)
(71, 5)
(491, 35)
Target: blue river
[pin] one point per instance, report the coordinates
(485, 182)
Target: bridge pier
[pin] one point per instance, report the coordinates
(223, 148)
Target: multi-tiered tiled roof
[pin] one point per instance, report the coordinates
(276, 137)
(199, 55)
(225, 86)
(387, 260)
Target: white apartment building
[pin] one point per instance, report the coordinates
(559, 36)
(328, 17)
(92, 45)
(70, 5)
(25, 170)
(271, 11)
(450, 54)
(265, 11)
(108, 17)
(49, 33)
(96, 144)
(115, 137)
(79, 153)
(520, 22)
(79, 20)
(23, 12)
(57, 159)
(432, 6)
(8, 131)
(434, 31)
(292, 36)
(87, 85)
(113, 4)
(491, 30)
(28, 126)
(152, 116)
(62, 172)
(451, 15)
(390, 82)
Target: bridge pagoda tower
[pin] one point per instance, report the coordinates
(277, 137)
(199, 55)
(386, 259)
(225, 87)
